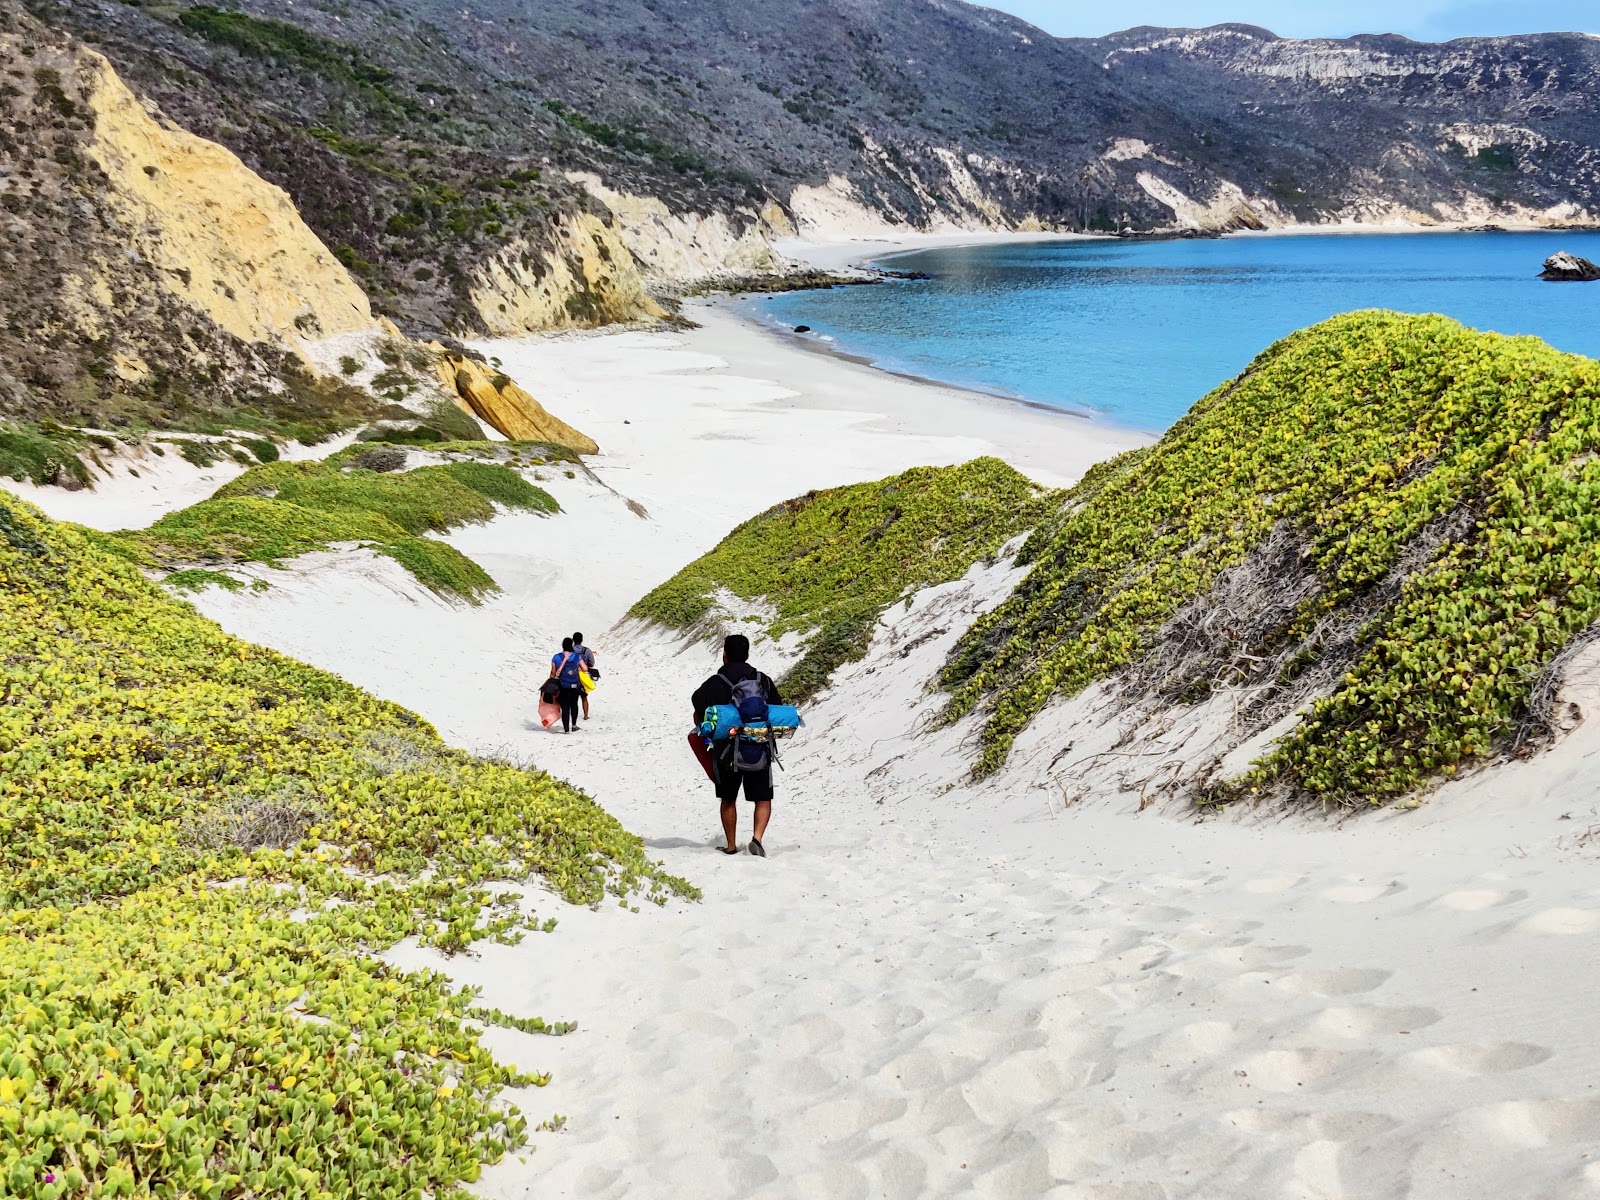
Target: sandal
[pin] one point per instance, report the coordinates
(757, 848)
(725, 850)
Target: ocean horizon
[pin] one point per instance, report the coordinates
(1132, 333)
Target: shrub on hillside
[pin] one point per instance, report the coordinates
(202, 845)
(830, 562)
(278, 511)
(1441, 490)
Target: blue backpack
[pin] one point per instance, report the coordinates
(752, 753)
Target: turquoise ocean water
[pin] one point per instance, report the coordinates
(1135, 332)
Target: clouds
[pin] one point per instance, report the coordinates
(1431, 20)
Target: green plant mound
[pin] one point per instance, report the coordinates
(202, 844)
(280, 510)
(1443, 490)
(45, 453)
(830, 562)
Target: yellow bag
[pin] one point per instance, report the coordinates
(586, 680)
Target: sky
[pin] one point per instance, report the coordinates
(1427, 20)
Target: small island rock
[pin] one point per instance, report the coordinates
(1565, 268)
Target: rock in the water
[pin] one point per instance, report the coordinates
(1569, 268)
(802, 329)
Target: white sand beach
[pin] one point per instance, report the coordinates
(930, 989)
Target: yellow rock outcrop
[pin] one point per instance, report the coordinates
(585, 278)
(678, 250)
(230, 244)
(495, 399)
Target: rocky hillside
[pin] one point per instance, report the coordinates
(498, 166)
(192, 191)
(159, 283)
(451, 192)
(152, 276)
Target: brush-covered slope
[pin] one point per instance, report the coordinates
(201, 844)
(278, 511)
(826, 564)
(1390, 523)
(154, 280)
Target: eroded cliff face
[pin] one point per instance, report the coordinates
(586, 276)
(616, 266)
(677, 250)
(225, 242)
(151, 277)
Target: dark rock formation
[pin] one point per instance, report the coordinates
(1569, 268)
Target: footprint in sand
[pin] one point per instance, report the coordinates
(845, 1117)
(1288, 1070)
(1269, 885)
(1361, 893)
(1252, 956)
(1490, 1059)
(1204, 1039)
(1347, 981)
(1537, 1122)
(1478, 899)
(1559, 921)
(1360, 1022)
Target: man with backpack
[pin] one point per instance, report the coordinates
(740, 764)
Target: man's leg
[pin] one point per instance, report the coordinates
(758, 790)
(584, 696)
(730, 823)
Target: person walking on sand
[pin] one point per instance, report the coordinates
(564, 669)
(720, 689)
(587, 655)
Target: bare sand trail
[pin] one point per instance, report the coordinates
(930, 990)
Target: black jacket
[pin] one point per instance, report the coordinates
(719, 690)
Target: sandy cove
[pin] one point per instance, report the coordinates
(931, 990)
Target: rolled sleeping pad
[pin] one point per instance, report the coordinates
(702, 753)
(720, 718)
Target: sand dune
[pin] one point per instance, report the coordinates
(935, 990)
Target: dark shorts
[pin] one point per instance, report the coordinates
(757, 784)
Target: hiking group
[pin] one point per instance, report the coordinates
(573, 675)
(739, 717)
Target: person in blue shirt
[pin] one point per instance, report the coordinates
(564, 669)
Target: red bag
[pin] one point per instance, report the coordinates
(702, 752)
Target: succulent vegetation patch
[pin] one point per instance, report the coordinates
(279, 510)
(830, 562)
(1439, 492)
(202, 843)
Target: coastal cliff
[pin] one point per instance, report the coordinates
(492, 169)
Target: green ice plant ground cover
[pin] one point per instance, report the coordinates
(830, 562)
(1358, 432)
(279, 510)
(202, 845)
